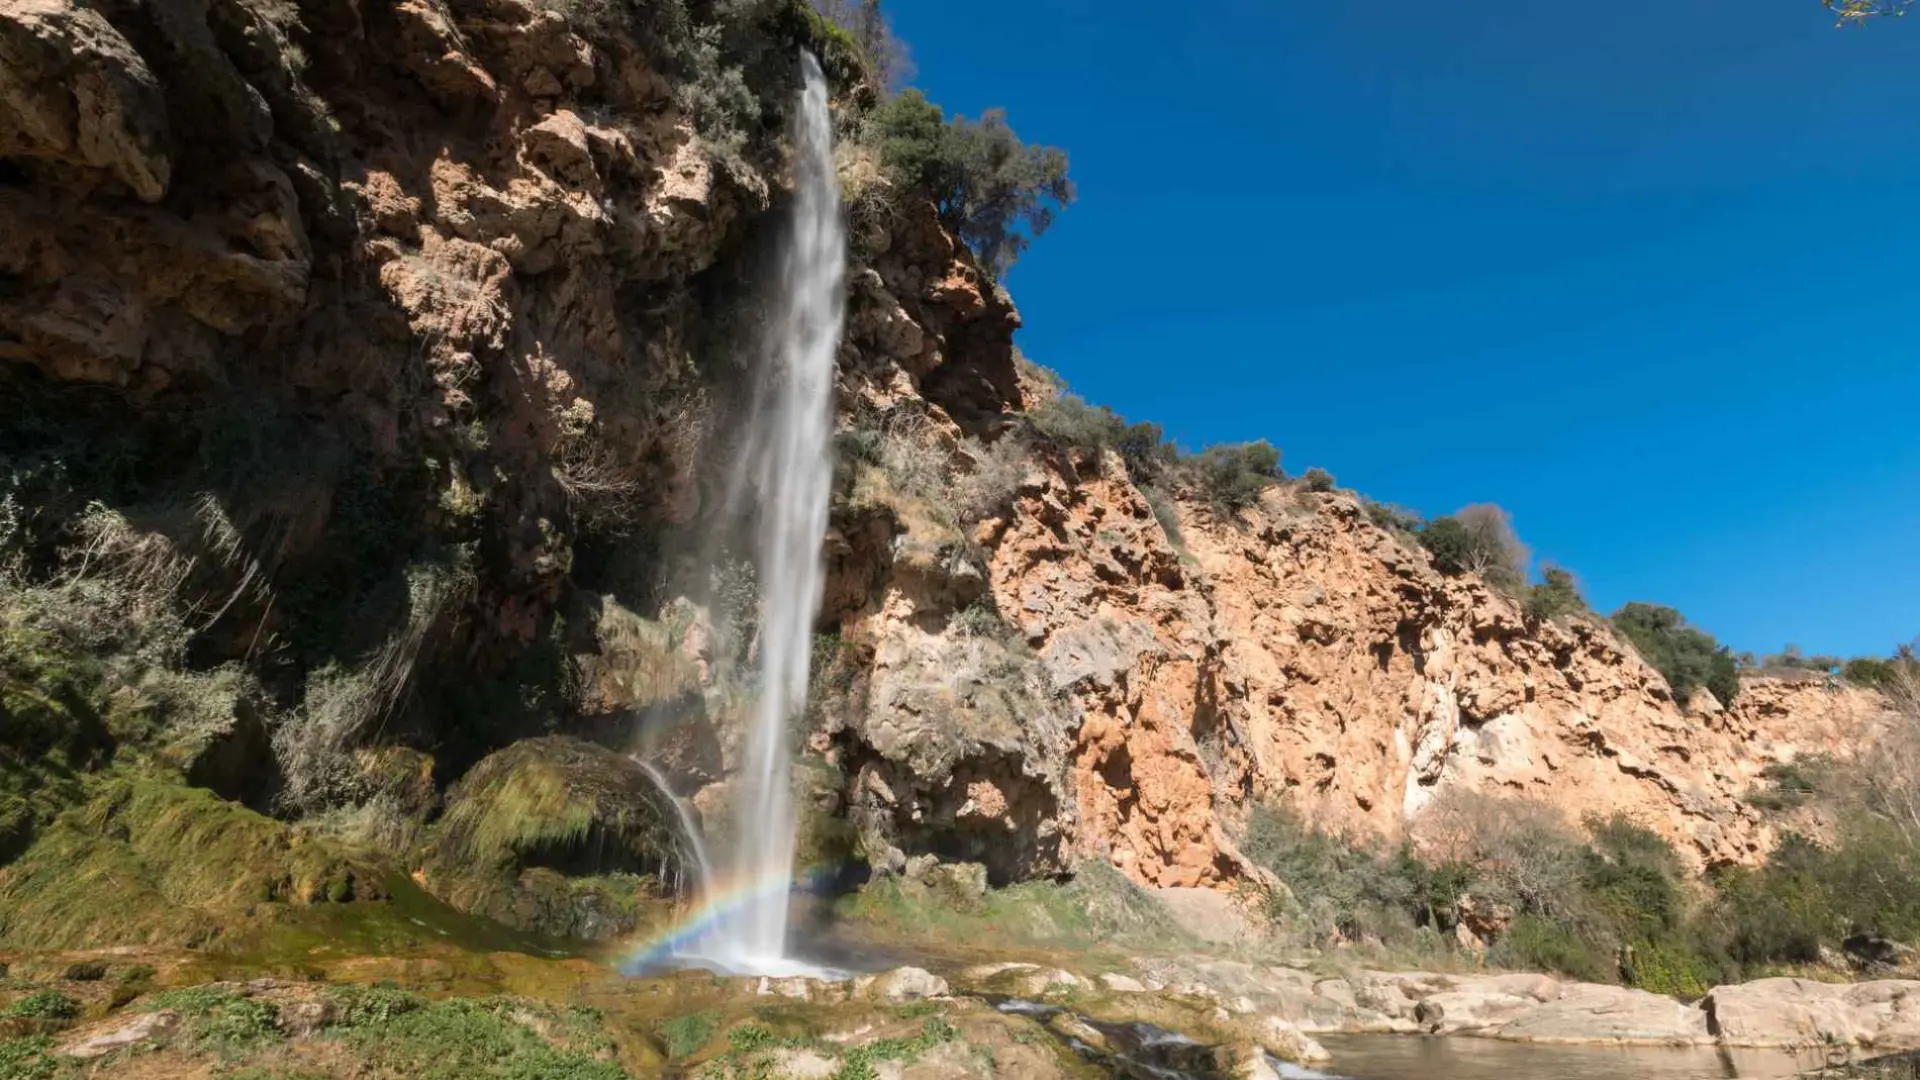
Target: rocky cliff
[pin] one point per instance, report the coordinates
(1299, 652)
(403, 337)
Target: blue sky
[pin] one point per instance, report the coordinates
(1643, 273)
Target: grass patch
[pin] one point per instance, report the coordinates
(859, 1063)
(684, 1036)
(488, 1039)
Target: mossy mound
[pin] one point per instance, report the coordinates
(52, 728)
(555, 836)
(146, 861)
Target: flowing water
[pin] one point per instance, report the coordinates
(786, 470)
(1413, 1057)
(694, 855)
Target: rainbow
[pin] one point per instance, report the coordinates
(718, 902)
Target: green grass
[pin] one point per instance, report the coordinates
(684, 1036)
(859, 1062)
(490, 1039)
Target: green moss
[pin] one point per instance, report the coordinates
(147, 861)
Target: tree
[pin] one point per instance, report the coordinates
(1319, 479)
(1686, 657)
(1479, 539)
(996, 192)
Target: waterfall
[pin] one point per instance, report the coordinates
(695, 854)
(786, 470)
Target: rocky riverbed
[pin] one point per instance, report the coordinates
(441, 1011)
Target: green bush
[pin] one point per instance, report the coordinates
(1069, 420)
(1337, 888)
(1785, 786)
(1778, 913)
(1556, 596)
(684, 1036)
(1535, 943)
(1233, 475)
(1686, 657)
(992, 190)
(1672, 970)
(1394, 519)
(43, 1005)
(1318, 479)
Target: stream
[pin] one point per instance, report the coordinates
(1414, 1057)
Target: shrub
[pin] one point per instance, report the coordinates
(1167, 516)
(1319, 479)
(1145, 449)
(1777, 913)
(1786, 785)
(1557, 595)
(1339, 888)
(1540, 944)
(1394, 519)
(1233, 475)
(1686, 657)
(873, 32)
(683, 1036)
(1068, 419)
(997, 470)
(43, 1005)
(994, 191)
(1479, 539)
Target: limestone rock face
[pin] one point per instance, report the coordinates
(1300, 653)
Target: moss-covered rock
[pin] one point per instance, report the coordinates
(150, 861)
(555, 836)
(52, 728)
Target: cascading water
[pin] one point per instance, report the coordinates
(787, 470)
(694, 856)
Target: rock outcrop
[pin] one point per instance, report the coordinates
(1301, 653)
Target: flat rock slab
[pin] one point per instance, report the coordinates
(1793, 1013)
(1588, 1013)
